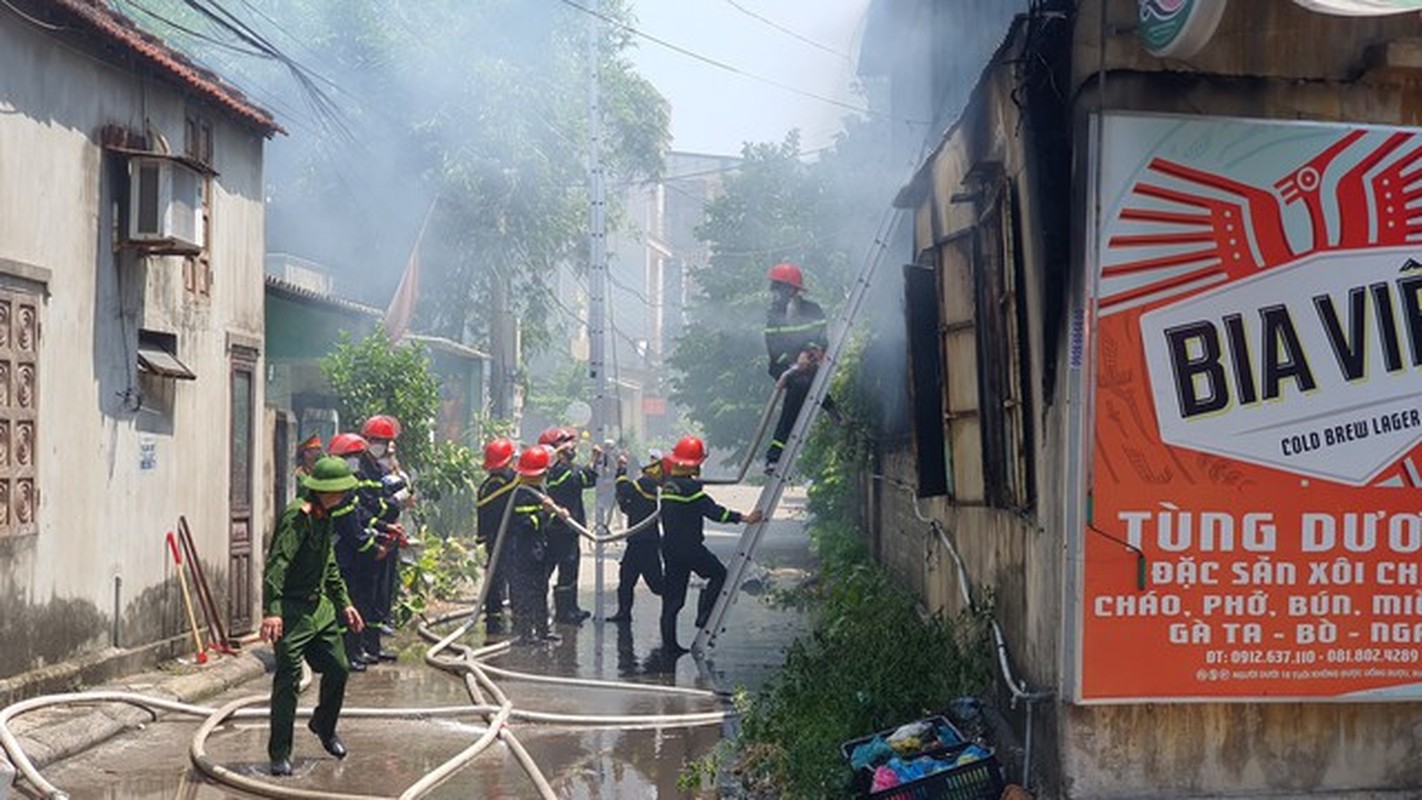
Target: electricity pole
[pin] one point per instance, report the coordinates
(597, 277)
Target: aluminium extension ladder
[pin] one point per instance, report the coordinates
(769, 500)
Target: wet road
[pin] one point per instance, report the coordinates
(389, 755)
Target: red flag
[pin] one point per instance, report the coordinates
(402, 305)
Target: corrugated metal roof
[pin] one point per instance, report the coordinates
(123, 32)
(296, 292)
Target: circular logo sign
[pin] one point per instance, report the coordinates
(1178, 28)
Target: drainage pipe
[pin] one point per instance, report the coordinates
(1019, 688)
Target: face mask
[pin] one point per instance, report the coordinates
(378, 450)
(353, 462)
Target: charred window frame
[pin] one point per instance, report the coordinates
(925, 374)
(959, 342)
(998, 288)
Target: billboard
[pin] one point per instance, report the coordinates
(1254, 516)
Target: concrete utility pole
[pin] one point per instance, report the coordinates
(597, 278)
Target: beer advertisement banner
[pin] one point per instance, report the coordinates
(1255, 511)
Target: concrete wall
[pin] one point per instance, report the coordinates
(1269, 59)
(101, 516)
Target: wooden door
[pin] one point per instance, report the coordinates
(239, 494)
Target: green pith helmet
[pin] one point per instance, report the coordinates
(329, 475)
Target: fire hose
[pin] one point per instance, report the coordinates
(444, 653)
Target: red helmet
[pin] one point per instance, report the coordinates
(556, 436)
(345, 444)
(498, 453)
(787, 273)
(689, 452)
(312, 443)
(380, 426)
(534, 462)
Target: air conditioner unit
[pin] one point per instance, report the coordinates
(165, 204)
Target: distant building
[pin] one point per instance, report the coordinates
(648, 265)
(130, 334)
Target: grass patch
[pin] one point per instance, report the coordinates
(871, 662)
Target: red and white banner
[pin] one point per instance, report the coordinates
(1257, 421)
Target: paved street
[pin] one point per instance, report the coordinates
(389, 755)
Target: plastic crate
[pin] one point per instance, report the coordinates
(978, 780)
(847, 749)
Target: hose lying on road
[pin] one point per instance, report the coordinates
(444, 653)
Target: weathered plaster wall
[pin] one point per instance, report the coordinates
(101, 516)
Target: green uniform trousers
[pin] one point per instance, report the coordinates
(310, 631)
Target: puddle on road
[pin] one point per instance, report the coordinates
(389, 755)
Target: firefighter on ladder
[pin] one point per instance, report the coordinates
(566, 483)
(685, 508)
(795, 339)
(493, 499)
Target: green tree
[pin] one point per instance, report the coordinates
(776, 207)
(372, 376)
(481, 103)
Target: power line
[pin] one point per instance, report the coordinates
(719, 64)
(777, 26)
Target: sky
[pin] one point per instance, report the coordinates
(715, 110)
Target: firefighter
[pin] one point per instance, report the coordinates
(304, 607)
(685, 507)
(378, 468)
(493, 498)
(381, 499)
(637, 497)
(306, 454)
(795, 340)
(566, 483)
(356, 522)
(529, 546)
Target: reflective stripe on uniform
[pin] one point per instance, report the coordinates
(680, 499)
(796, 328)
(505, 489)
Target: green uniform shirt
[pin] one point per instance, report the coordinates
(301, 565)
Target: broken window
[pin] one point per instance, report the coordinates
(926, 378)
(1006, 420)
(960, 354)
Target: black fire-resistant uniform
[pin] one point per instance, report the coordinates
(637, 497)
(566, 484)
(381, 511)
(792, 326)
(355, 555)
(685, 508)
(494, 494)
(528, 577)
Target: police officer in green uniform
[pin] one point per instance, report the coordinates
(301, 592)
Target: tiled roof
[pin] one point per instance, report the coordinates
(122, 32)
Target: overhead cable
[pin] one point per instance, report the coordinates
(777, 26)
(723, 65)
